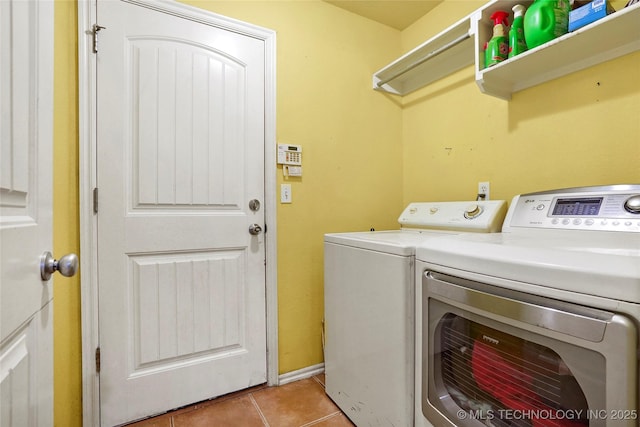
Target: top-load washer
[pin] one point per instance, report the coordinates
(369, 282)
(537, 325)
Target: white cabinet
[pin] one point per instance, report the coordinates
(613, 36)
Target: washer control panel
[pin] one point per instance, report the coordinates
(610, 208)
(477, 216)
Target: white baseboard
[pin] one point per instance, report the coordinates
(300, 374)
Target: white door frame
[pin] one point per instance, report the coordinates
(88, 220)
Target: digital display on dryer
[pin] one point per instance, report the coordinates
(577, 207)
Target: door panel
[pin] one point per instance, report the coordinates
(26, 78)
(175, 322)
(189, 115)
(180, 152)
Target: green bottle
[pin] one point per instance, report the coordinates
(498, 47)
(545, 20)
(517, 43)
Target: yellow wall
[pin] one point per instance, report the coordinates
(67, 349)
(366, 154)
(581, 129)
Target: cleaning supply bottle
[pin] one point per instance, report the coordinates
(487, 57)
(545, 20)
(517, 43)
(498, 46)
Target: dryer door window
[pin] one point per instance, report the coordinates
(505, 379)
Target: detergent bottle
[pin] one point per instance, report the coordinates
(545, 20)
(517, 43)
(498, 46)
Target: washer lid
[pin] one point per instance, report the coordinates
(396, 242)
(594, 263)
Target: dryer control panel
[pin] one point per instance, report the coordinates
(604, 208)
(476, 216)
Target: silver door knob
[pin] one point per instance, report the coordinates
(67, 265)
(255, 229)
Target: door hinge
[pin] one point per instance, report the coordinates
(95, 200)
(98, 360)
(95, 30)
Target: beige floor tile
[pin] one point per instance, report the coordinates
(339, 420)
(239, 411)
(320, 378)
(160, 421)
(302, 403)
(294, 404)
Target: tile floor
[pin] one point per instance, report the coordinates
(298, 404)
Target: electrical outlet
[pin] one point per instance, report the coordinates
(483, 188)
(285, 193)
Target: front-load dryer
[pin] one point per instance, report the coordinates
(369, 282)
(538, 325)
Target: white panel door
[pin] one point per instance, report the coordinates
(26, 130)
(180, 154)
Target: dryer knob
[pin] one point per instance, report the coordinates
(632, 204)
(472, 211)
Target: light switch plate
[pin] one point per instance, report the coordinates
(285, 193)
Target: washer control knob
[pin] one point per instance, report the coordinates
(632, 204)
(472, 211)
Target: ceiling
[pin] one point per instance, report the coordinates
(398, 14)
